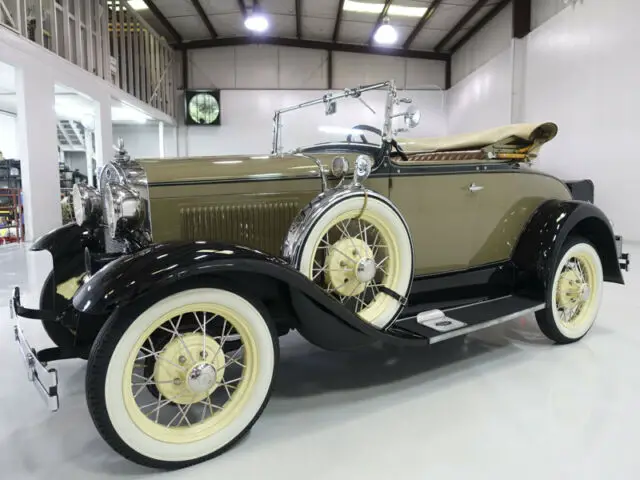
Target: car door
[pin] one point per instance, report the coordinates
(439, 209)
(504, 202)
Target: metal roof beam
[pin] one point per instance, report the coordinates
(317, 45)
(336, 27)
(299, 19)
(498, 7)
(461, 24)
(163, 20)
(423, 21)
(204, 18)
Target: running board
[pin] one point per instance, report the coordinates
(440, 325)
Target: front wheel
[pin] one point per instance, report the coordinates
(574, 294)
(184, 380)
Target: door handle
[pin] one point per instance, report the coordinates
(473, 188)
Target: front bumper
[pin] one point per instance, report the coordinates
(44, 379)
(623, 258)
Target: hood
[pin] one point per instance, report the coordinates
(163, 171)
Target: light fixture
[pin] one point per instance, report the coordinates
(386, 34)
(256, 22)
(138, 4)
(376, 8)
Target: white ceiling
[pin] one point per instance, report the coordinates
(318, 20)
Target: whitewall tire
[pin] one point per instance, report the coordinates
(359, 250)
(575, 293)
(159, 387)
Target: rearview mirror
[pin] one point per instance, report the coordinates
(412, 117)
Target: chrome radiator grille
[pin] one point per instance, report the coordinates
(262, 226)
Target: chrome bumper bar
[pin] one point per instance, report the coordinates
(44, 379)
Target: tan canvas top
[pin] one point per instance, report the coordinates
(517, 135)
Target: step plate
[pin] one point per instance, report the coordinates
(464, 320)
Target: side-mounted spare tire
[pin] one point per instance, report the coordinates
(356, 246)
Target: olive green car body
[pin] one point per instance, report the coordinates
(252, 201)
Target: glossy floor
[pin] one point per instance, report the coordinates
(505, 404)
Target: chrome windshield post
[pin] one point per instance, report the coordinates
(387, 131)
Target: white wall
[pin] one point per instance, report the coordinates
(492, 39)
(575, 69)
(483, 99)
(581, 73)
(273, 67)
(8, 136)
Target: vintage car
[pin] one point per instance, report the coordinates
(179, 275)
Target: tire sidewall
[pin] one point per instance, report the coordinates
(577, 246)
(107, 364)
(394, 223)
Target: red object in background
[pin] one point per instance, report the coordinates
(15, 209)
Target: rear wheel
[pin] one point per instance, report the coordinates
(574, 294)
(163, 387)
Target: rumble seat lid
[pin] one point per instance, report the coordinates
(517, 135)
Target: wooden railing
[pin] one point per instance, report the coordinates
(105, 37)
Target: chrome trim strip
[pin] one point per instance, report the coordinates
(480, 326)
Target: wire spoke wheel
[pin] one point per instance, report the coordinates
(575, 288)
(176, 381)
(359, 251)
(352, 262)
(183, 375)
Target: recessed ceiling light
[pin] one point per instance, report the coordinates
(394, 10)
(138, 5)
(386, 34)
(256, 22)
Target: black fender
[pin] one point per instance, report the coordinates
(67, 240)
(320, 318)
(538, 248)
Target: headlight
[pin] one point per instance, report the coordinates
(86, 204)
(125, 209)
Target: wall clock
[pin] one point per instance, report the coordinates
(202, 107)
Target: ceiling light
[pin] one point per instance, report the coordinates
(138, 4)
(386, 34)
(256, 22)
(376, 8)
(127, 113)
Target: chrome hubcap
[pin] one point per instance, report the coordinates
(366, 270)
(201, 378)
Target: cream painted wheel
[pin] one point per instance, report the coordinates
(182, 381)
(575, 294)
(360, 252)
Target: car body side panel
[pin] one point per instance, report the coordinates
(236, 206)
(504, 206)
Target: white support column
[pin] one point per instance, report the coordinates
(518, 65)
(88, 151)
(103, 131)
(38, 146)
(161, 138)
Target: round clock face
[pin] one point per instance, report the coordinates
(204, 108)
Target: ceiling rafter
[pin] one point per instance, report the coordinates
(498, 7)
(315, 44)
(383, 14)
(298, 19)
(461, 23)
(243, 7)
(205, 19)
(163, 20)
(421, 24)
(336, 28)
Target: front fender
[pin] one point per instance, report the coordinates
(539, 246)
(68, 240)
(163, 265)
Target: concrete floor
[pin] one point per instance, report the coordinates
(505, 404)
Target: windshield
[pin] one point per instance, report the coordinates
(303, 125)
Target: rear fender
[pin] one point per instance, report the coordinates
(540, 243)
(319, 317)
